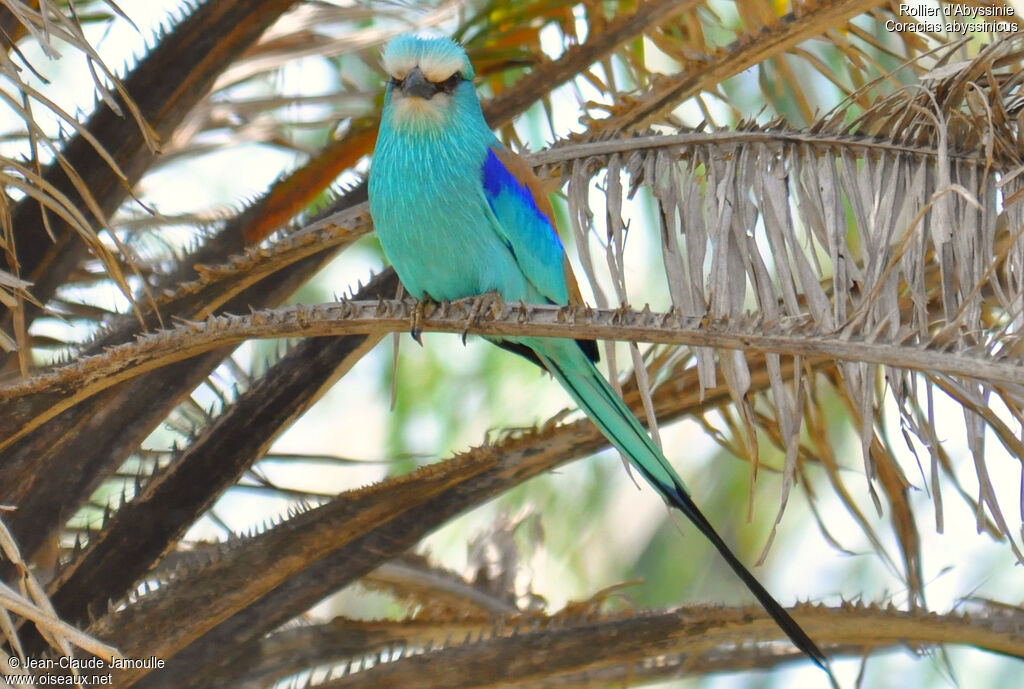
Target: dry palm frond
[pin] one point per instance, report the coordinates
(866, 293)
(862, 265)
(69, 200)
(634, 647)
(32, 603)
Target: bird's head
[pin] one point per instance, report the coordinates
(427, 78)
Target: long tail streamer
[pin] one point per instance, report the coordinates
(589, 389)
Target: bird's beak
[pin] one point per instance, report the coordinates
(417, 85)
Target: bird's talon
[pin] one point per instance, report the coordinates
(416, 330)
(485, 303)
(472, 319)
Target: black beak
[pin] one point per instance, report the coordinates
(415, 84)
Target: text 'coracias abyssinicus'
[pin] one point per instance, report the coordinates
(458, 214)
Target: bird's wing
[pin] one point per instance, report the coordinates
(526, 223)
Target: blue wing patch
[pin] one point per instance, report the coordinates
(525, 229)
(528, 233)
(498, 179)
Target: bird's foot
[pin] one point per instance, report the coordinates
(483, 304)
(416, 328)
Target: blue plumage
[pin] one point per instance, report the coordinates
(501, 187)
(528, 232)
(460, 215)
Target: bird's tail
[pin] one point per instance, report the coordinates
(585, 384)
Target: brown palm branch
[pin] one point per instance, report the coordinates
(824, 215)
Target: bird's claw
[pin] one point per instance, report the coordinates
(416, 329)
(485, 303)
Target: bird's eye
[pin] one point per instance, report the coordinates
(451, 82)
(396, 82)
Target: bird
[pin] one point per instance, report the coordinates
(458, 214)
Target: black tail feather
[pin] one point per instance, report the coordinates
(676, 494)
(678, 497)
(684, 503)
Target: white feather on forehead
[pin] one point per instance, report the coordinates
(437, 58)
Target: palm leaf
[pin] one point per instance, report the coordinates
(862, 265)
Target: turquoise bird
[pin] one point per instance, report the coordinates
(459, 215)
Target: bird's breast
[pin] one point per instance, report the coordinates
(433, 221)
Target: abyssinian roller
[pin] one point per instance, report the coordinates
(458, 214)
